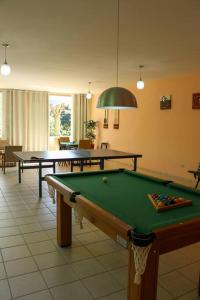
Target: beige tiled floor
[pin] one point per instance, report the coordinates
(32, 266)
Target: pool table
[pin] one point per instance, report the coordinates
(116, 202)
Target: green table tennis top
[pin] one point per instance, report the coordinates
(125, 196)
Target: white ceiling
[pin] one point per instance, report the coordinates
(61, 45)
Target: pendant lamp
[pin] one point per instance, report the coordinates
(117, 97)
(5, 67)
(140, 82)
(89, 94)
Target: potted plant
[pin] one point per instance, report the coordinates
(90, 126)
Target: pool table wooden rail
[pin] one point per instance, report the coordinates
(178, 235)
(166, 239)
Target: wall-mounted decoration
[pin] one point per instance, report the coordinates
(196, 101)
(105, 120)
(116, 120)
(165, 102)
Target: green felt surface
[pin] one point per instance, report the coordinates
(125, 196)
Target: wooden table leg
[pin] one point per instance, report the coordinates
(199, 286)
(64, 222)
(147, 290)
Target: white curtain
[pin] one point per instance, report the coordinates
(81, 112)
(25, 119)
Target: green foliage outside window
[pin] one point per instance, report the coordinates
(60, 120)
(65, 120)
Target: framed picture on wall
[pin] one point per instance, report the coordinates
(196, 101)
(165, 102)
(116, 120)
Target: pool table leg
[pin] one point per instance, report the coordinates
(147, 290)
(64, 222)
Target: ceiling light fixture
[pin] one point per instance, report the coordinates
(117, 97)
(5, 67)
(89, 94)
(140, 82)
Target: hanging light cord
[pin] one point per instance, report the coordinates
(141, 66)
(5, 48)
(117, 52)
(5, 54)
(5, 45)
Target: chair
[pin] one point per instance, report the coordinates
(104, 145)
(9, 157)
(63, 139)
(196, 175)
(3, 143)
(85, 144)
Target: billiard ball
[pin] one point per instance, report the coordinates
(160, 204)
(105, 179)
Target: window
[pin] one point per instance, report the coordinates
(60, 109)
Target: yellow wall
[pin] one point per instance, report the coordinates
(168, 139)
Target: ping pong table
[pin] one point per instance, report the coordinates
(47, 159)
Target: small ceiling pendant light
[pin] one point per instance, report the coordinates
(5, 68)
(140, 82)
(89, 94)
(117, 97)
